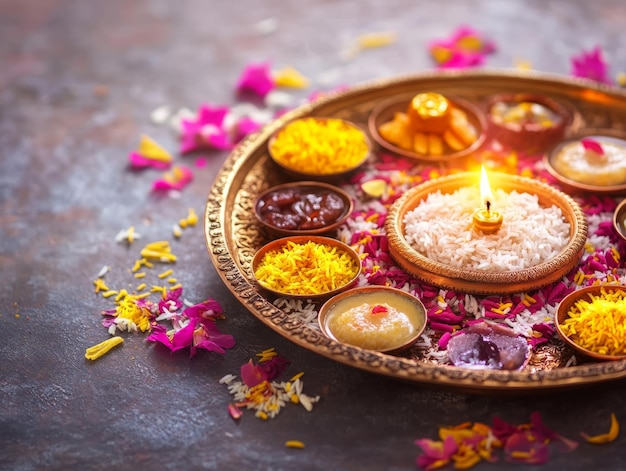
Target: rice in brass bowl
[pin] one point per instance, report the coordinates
(576, 171)
(379, 318)
(303, 208)
(477, 281)
(385, 112)
(306, 267)
(319, 149)
(587, 294)
(529, 137)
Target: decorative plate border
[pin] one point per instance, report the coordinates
(231, 237)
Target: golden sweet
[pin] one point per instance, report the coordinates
(432, 125)
(429, 112)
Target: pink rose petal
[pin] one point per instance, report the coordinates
(256, 78)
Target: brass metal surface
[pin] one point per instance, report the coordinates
(233, 235)
(566, 305)
(575, 187)
(479, 281)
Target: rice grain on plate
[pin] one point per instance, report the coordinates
(440, 228)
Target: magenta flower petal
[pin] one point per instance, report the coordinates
(462, 60)
(591, 65)
(466, 47)
(184, 337)
(544, 432)
(274, 367)
(251, 375)
(177, 179)
(434, 451)
(592, 145)
(256, 78)
(246, 126)
(159, 335)
(206, 131)
(205, 310)
(525, 447)
(138, 161)
(217, 343)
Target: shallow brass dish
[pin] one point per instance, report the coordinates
(573, 186)
(385, 111)
(619, 219)
(278, 244)
(530, 139)
(304, 187)
(233, 235)
(568, 302)
(371, 294)
(329, 177)
(477, 281)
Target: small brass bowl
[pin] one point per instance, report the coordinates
(619, 219)
(478, 281)
(279, 244)
(564, 307)
(583, 182)
(302, 199)
(404, 302)
(530, 138)
(386, 110)
(328, 173)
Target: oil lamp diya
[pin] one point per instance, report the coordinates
(486, 220)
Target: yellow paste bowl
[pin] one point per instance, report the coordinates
(319, 149)
(289, 264)
(272, 219)
(578, 181)
(563, 313)
(386, 110)
(335, 323)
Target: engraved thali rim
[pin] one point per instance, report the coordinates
(217, 213)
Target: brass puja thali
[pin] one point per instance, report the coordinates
(511, 301)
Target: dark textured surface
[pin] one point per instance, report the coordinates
(78, 80)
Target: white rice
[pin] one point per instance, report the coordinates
(440, 228)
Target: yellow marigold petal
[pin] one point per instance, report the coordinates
(374, 40)
(374, 188)
(100, 285)
(523, 64)
(294, 444)
(290, 78)
(192, 217)
(149, 149)
(95, 352)
(608, 437)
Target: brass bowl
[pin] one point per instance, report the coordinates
(532, 138)
(328, 177)
(304, 188)
(573, 185)
(401, 300)
(386, 110)
(619, 219)
(477, 281)
(278, 244)
(564, 307)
